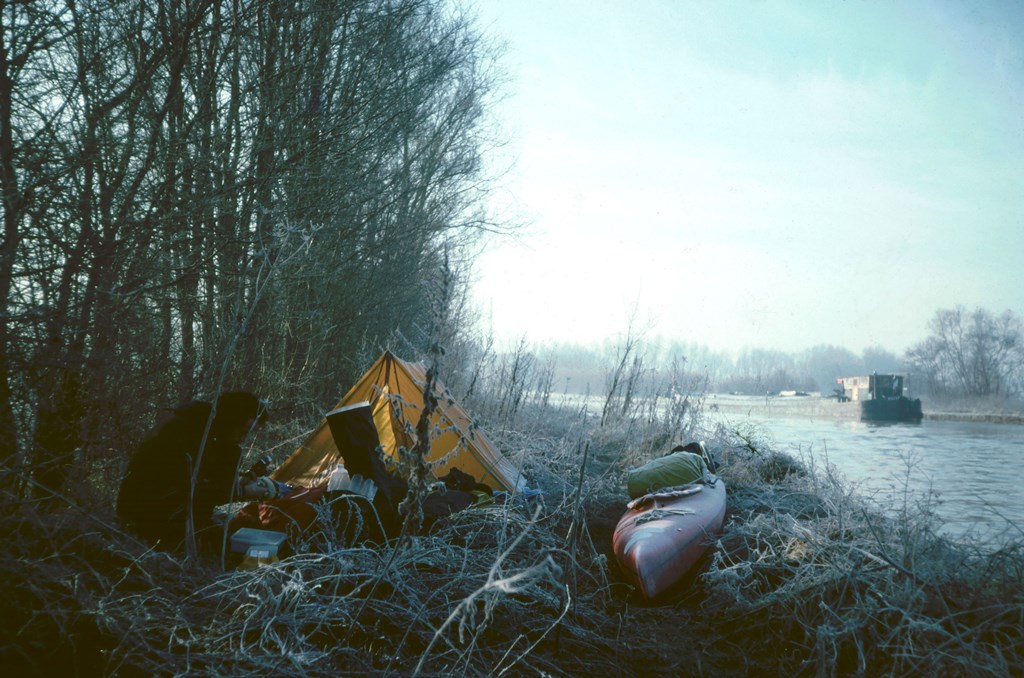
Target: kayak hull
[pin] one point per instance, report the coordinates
(658, 541)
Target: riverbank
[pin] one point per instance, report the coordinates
(805, 579)
(979, 417)
(820, 407)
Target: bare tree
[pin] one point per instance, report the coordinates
(971, 354)
(621, 381)
(157, 159)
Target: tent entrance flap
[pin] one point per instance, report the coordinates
(355, 437)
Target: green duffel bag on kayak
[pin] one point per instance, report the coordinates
(678, 468)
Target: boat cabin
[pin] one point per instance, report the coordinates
(881, 397)
(872, 387)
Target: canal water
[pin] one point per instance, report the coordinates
(972, 472)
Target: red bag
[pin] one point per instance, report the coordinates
(292, 514)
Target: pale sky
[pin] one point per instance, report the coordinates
(757, 174)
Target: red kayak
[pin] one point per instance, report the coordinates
(663, 534)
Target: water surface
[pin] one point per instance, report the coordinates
(973, 471)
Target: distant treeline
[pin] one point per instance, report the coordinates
(967, 354)
(582, 369)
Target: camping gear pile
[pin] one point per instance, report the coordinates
(350, 466)
(677, 506)
(347, 476)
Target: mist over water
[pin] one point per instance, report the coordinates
(972, 472)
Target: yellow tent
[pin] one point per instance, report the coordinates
(394, 389)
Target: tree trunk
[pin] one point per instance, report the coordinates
(13, 204)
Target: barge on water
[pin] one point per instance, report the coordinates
(881, 397)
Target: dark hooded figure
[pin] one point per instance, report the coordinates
(154, 495)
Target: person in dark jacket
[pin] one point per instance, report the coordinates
(153, 500)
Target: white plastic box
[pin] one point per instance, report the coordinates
(257, 543)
